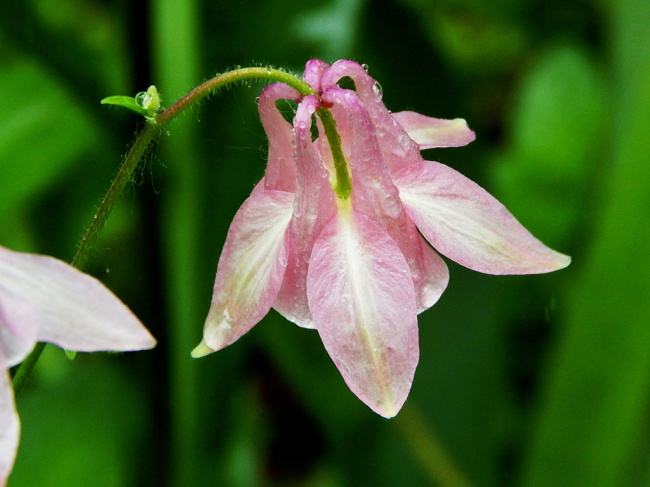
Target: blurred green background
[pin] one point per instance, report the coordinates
(523, 381)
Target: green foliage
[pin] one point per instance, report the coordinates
(558, 130)
(44, 133)
(524, 381)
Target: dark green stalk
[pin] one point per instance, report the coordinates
(124, 175)
(343, 186)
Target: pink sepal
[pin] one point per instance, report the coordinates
(251, 266)
(465, 223)
(363, 303)
(430, 132)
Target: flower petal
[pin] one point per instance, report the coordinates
(65, 306)
(251, 268)
(281, 166)
(375, 195)
(9, 427)
(313, 207)
(397, 148)
(431, 132)
(18, 328)
(363, 302)
(465, 223)
(313, 72)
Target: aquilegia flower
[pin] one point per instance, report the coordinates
(348, 257)
(45, 300)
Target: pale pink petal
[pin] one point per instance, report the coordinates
(9, 427)
(313, 72)
(398, 149)
(251, 267)
(362, 299)
(375, 195)
(18, 325)
(281, 166)
(314, 206)
(465, 223)
(66, 307)
(431, 132)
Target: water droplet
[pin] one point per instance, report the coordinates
(365, 67)
(377, 90)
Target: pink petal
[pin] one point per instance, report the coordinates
(468, 225)
(251, 267)
(313, 72)
(65, 306)
(9, 427)
(18, 325)
(362, 299)
(313, 207)
(281, 166)
(430, 132)
(397, 148)
(375, 195)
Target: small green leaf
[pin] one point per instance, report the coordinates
(145, 103)
(150, 101)
(71, 354)
(126, 102)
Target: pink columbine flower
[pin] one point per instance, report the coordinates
(45, 300)
(356, 267)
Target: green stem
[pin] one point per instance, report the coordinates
(26, 367)
(343, 186)
(125, 173)
(225, 79)
(428, 449)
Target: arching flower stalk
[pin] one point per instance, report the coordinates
(333, 237)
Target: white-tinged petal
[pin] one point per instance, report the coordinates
(64, 306)
(18, 328)
(363, 303)
(9, 427)
(313, 208)
(375, 196)
(431, 132)
(465, 223)
(251, 267)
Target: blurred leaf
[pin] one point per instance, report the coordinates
(78, 425)
(557, 130)
(43, 132)
(332, 28)
(596, 399)
(483, 36)
(560, 113)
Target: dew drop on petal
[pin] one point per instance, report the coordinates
(428, 295)
(377, 90)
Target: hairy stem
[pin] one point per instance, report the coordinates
(132, 159)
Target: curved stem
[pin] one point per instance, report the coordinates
(228, 78)
(343, 186)
(427, 448)
(148, 134)
(26, 367)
